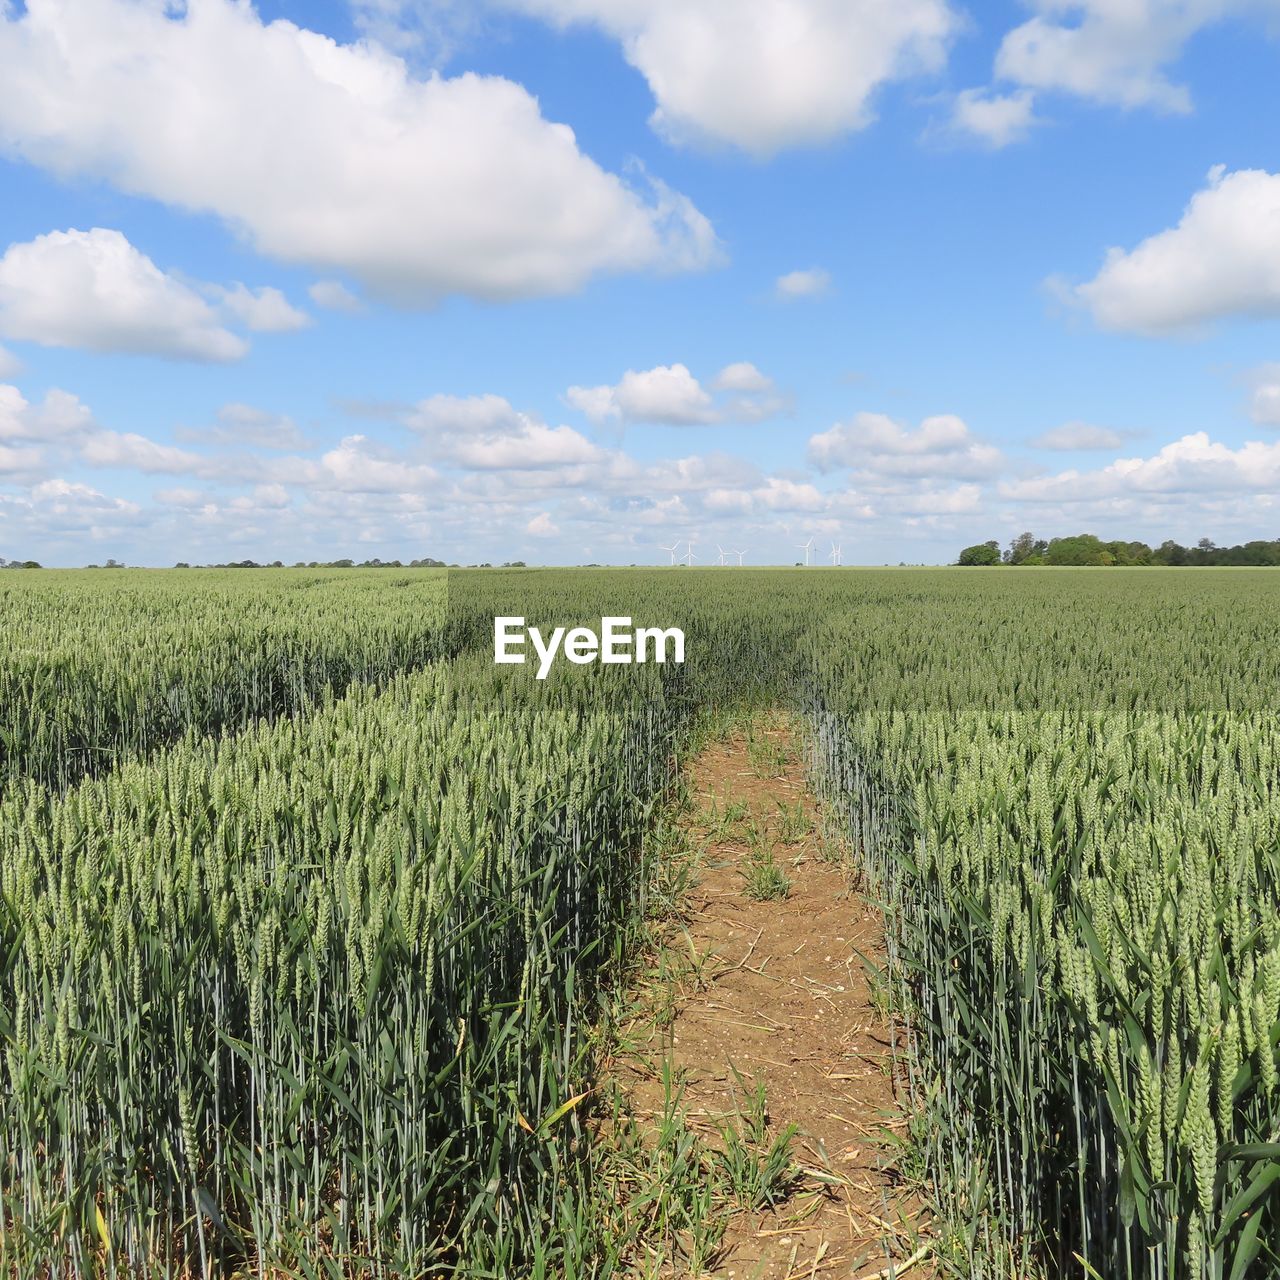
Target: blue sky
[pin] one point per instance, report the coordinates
(305, 281)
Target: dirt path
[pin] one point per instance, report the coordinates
(775, 993)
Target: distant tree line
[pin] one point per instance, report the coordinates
(1087, 549)
(425, 563)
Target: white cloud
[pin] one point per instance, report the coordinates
(1111, 51)
(129, 450)
(667, 393)
(60, 416)
(357, 465)
(65, 497)
(1078, 435)
(742, 376)
(185, 499)
(960, 499)
(532, 446)
(446, 415)
(874, 443)
(10, 365)
(812, 282)
(427, 28)
(417, 188)
(1222, 259)
(94, 290)
(486, 433)
(1192, 466)
(263, 497)
(1264, 404)
(243, 424)
(335, 296)
(670, 394)
(264, 310)
(777, 493)
(765, 74)
(19, 459)
(542, 526)
(698, 472)
(996, 119)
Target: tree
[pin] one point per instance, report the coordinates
(1083, 549)
(981, 553)
(1130, 553)
(1020, 549)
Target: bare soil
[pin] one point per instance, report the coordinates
(780, 991)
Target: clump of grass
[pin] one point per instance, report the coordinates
(767, 755)
(758, 1171)
(766, 880)
(665, 1195)
(794, 823)
(720, 823)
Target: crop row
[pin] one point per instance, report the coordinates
(101, 666)
(1072, 806)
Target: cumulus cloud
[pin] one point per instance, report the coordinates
(742, 376)
(532, 447)
(487, 433)
(264, 310)
(180, 497)
(19, 459)
(670, 394)
(874, 443)
(777, 493)
(359, 465)
(59, 417)
(542, 526)
(1078, 435)
(335, 296)
(996, 119)
(931, 501)
(761, 75)
(667, 393)
(811, 282)
(428, 29)
(10, 365)
(448, 415)
(67, 497)
(243, 424)
(1222, 259)
(418, 188)
(94, 290)
(1264, 402)
(58, 512)
(1192, 466)
(262, 497)
(129, 450)
(1111, 51)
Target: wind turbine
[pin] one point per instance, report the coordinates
(720, 549)
(806, 547)
(739, 554)
(689, 556)
(835, 554)
(671, 549)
